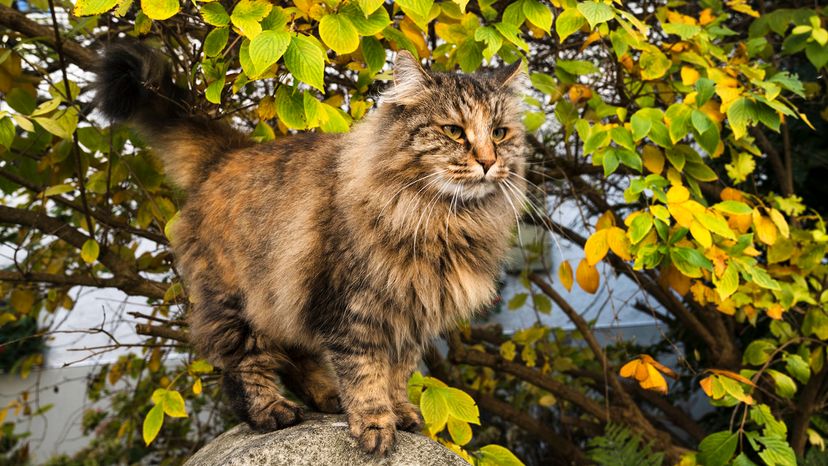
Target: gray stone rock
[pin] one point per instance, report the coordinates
(321, 440)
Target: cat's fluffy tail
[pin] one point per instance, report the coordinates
(135, 85)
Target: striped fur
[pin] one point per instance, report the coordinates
(334, 259)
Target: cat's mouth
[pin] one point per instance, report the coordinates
(469, 187)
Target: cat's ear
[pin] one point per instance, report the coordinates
(410, 80)
(512, 77)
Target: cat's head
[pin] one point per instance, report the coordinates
(463, 131)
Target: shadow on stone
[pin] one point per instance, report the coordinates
(319, 441)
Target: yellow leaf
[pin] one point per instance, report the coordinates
(678, 194)
(596, 247)
(197, 387)
(706, 17)
(732, 375)
(676, 280)
(701, 234)
(683, 216)
(606, 220)
(618, 243)
(689, 75)
(653, 159)
(660, 212)
(661, 367)
(728, 96)
(765, 228)
(655, 381)
(587, 277)
(707, 385)
(775, 312)
(22, 300)
(645, 370)
(780, 222)
(565, 275)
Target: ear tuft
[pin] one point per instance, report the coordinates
(512, 77)
(410, 80)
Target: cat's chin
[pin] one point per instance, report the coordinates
(468, 191)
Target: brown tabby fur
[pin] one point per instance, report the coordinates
(334, 259)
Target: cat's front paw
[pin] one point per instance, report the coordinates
(276, 415)
(408, 417)
(376, 433)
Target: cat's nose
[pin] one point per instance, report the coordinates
(485, 155)
(486, 163)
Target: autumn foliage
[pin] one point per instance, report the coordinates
(676, 152)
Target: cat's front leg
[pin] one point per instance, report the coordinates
(408, 416)
(363, 368)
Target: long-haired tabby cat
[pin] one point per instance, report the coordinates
(332, 260)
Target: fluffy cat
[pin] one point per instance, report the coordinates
(332, 260)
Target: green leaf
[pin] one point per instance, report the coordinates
(689, 261)
(62, 124)
(597, 139)
(248, 14)
(783, 384)
(216, 41)
(201, 366)
(640, 226)
(152, 423)
(497, 455)
(492, 38)
(434, 408)
(717, 449)
(90, 251)
(777, 452)
(469, 55)
(609, 160)
(728, 284)
(630, 159)
(817, 54)
(267, 48)
(654, 64)
(705, 89)
(215, 15)
(816, 323)
(374, 53)
(306, 61)
(460, 431)
(512, 34)
(733, 208)
(6, 132)
(461, 406)
(160, 9)
(290, 107)
(369, 6)
(641, 125)
(577, 67)
(214, 90)
(596, 12)
(420, 8)
(700, 171)
(797, 367)
(758, 352)
(368, 26)
(93, 7)
(568, 22)
(740, 114)
(761, 414)
(173, 404)
(339, 33)
(334, 120)
(538, 14)
(677, 117)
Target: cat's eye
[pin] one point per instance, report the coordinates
(498, 134)
(453, 131)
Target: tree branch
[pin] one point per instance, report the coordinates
(51, 226)
(16, 21)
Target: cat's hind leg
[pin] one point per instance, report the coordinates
(308, 375)
(248, 361)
